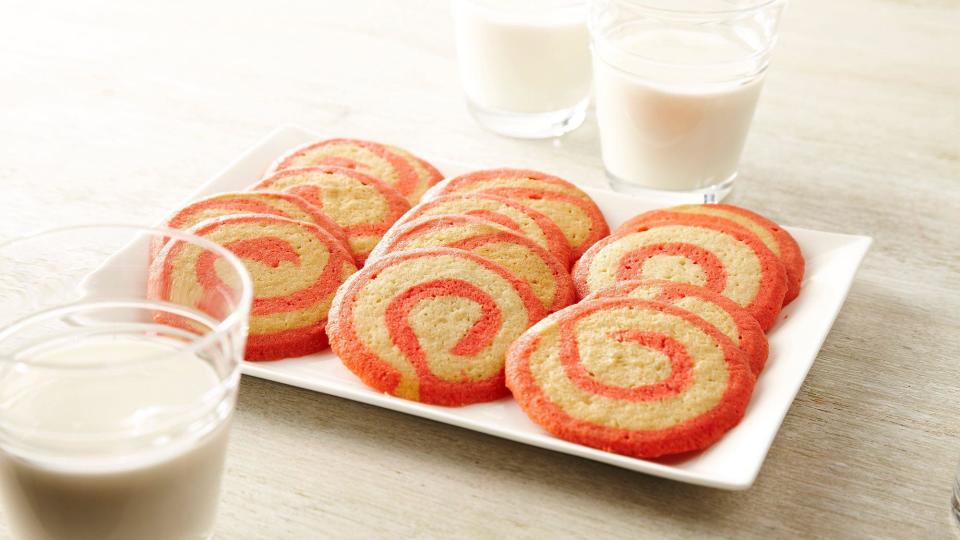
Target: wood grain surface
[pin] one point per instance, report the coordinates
(114, 111)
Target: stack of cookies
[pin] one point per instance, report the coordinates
(645, 342)
(662, 353)
(457, 279)
(301, 231)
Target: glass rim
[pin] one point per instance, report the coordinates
(559, 5)
(217, 331)
(758, 57)
(755, 6)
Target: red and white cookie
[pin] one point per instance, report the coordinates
(630, 376)
(396, 167)
(285, 205)
(364, 206)
(730, 261)
(431, 325)
(568, 206)
(779, 241)
(511, 214)
(546, 275)
(720, 311)
(296, 268)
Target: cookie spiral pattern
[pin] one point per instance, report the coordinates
(500, 210)
(639, 378)
(732, 320)
(546, 275)
(296, 268)
(729, 261)
(396, 167)
(573, 211)
(431, 325)
(778, 240)
(364, 206)
(250, 202)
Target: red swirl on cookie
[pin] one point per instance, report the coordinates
(431, 325)
(296, 268)
(572, 210)
(730, 261)
(285, 205)
(546, 275)
(732, 320)
(511, 214)
(396, 167)
(361, 204)
(779, 241)
(635, 377)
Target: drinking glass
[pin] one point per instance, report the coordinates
(955, 498)
(525, 66)
(676, 85)
(115, 401)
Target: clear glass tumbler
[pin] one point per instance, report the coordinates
(955, 498)
(525, 66)
(115, 404)
(676, 85)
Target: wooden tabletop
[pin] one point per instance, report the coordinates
(114, 111)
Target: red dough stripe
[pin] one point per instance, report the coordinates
(379, 374)
(556, 243)
(753, 342)
(250, 203)
(474, 340)
(790, 254)
(677, 382)
(692, 434)
(631, 264)
(765, 306)
(406, 176)
(269, 250)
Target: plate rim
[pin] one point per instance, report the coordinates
(856, 246)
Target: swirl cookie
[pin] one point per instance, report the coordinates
(639, 378)
(296, 268)
(730, 261)
(779, 241)
(364, 206)
(431, 325)
(502, 211)
(546, 275)
(396, 167)
(279, 204)
(732, 320)
(568, 206)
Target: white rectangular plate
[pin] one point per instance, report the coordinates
(732, 463)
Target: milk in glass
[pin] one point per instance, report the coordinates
(118, 452)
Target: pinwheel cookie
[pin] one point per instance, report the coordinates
(693, 249)
(396, 167)
(779, 241)
(568, 206)
(503, 211)
(431, 325)
(546, 275)
(720, 311)
(364, 206)
(296, 268)
(250, 202)
(635, 377)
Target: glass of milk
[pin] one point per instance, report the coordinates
(676, 85)
(525, 65)
(114, 408)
